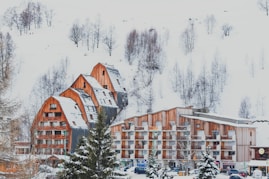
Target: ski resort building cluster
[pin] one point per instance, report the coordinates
(177, 135)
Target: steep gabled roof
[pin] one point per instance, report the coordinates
(88, 105)
(103, 96)
(115, 77)
(72, 112)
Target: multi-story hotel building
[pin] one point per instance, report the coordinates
(179, 135)
(63, 119)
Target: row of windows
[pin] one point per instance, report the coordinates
(52, 114)
(53, 124)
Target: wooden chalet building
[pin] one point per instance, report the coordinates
(179, 135)
(110, 78)
(63, 119)
(101, 97)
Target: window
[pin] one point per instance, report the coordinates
(91, 116)
(53, 106)
(57, 132)
(118, 81)
(62, 124)
(48, 132)
(84, 85)
(58, 114)
(103, 72)
(250, 134)
(104, 93)
(105, 86)
(74, 123)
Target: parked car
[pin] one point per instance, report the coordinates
(236, 176)
(243, 173)
(233, 171)
(140, 170)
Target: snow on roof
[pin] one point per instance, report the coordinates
(88, 105)
(92, 81)
(72, 112)
(115, 78)
(223, 117)
(104, 96)
(219, 121)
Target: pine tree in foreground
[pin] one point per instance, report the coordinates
(102, 157)
(76, 167)
(152, 168)
(93, 157)
(207, 167)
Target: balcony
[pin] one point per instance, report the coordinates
(230, 148)
(43, 128)
(51, 137)
(166, 157)
(167, 147)
(125, 156)
(228, 157)
(125, 146)
(215, 147)
(139, 156)
(197, 147)
(198, 137)
(126, 137)
(214, 137)
(168, 137)
(183, 128)
(183, 138)
(144, 128)
(228, 138)
(139, 146)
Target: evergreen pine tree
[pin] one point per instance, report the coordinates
(76, 167)
(152, 168)
(102, 158)
(207, 167)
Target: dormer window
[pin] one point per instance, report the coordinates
(84, 85)
(103, 72)
(104, 93)
(105, 86)
(118, 81)
(53, 106)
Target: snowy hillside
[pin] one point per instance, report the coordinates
(244, 51)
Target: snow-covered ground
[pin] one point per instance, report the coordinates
(220, 176)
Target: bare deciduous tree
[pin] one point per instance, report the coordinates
(51, 83)
(226, 28)
(210, 22)
(245, 107)
(109, 40)
(131, 45)
(97, 26)
(188, 38)
(76, 33)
